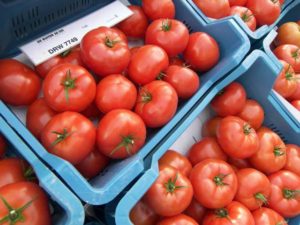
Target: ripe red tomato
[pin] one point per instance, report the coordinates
(254, 188)
(185, 81)
(290, 54)
(105, 51)
(69, 87)
(284, 198)
(239, 163)
(38, 115)
(156, 103)
(93, 164)
(237, 2)
(252, 113)
(196, 211)
(115, 92)
(209, 128)
(237, 138)
(177, 220)
(268, 216)
(296, 104)
(214, 182)
(27, 204)
(70, 136)
(214, 8)
(176, 61)
(230, 101)
(296, 94)
(136, 25)
(271, 155)
(69, 56)
(171, 193)
(286, 82)
(159, 9)
(143, 73)
(288, 33)
(266, 11)
(120, 134)
(246, 15)
(19, 85)
(207, 148)
(170, 34)
(234, 213)
(92, 111)
(176, 160)
(202, 51)
(292, 158)
(13, 170)
(142, 214)
(2, 146)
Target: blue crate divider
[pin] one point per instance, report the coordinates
(253, 35)
(256, 74)
(71, 210)
(234, 45)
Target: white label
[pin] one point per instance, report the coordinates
(70, 35)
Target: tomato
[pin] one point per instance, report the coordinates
(176, 160)
(157, 9)
(136, 25)
(214, 182)
(69, 56)
(2, 146)
(237, 138)
(230, 101)
(24, 203)
(271, 155)
(284, 198)
(196, 211)
(142, 214)
(19, 85)
(209, 128)
(69, 87)
(254, 188)
(207, 148)
(171, 35)
(281, 2)
(176, 61)
(93, 164)
(120, 134)
(92, 111)
(266, 216)
(180, 219)
(143, 73)
(246, 15)
(296, 94)
(13, 170)
(237, 2)
(292, 158)
(239, 163)
(233, 214)
(214, 8)
(252, 113)
(70, 136)
(296, 104)
(288, 33)
(286, 82)
(115, 92)
(156, 103)
(105, 51)
(185, 81)
(171, 193)
(37, 116)
(266, 11)
(202, 51)
(290, 54)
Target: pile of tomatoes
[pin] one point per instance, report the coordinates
(22, 201)
(241, 172)
(121, 89)
(287, 51)
(254, 13)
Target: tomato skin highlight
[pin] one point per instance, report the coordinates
(288, 33)
(290, 54)
(268, 216)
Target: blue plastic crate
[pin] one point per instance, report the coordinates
(68, 210)
(253, 35)
(256, 74)
(234, 45)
